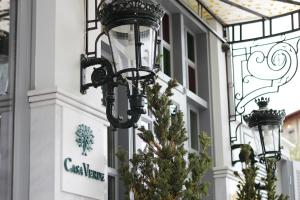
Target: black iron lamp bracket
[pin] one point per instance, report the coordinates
(100, 76)
(105, 75)
(117, 13)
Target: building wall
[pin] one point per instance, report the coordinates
(51, 37)
(292, 127)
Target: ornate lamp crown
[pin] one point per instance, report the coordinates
(264, 116)
(262, 102)
(120, 12)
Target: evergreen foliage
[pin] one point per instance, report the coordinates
(164, 170)
(248, 189)
(246, 185)
(270, 182)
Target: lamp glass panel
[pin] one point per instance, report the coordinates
(147, 38)
(271, 138)
(258, 145)
(122, 39)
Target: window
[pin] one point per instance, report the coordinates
(105, 53)
(291, 131)
(111, 188)
(194, 130)
(191, 62)
(166, 45)
(111, 161)
(111, 147)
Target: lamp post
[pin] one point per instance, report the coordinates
(266, 125)
(132, 28)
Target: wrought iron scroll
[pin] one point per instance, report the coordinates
(259, 68)
(92, 32)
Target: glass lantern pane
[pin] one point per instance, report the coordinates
(122, 39)
(147, 37)
(271, 138)
(258, 148)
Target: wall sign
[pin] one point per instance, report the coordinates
(84, 155)
(82, 170)
(84, 138)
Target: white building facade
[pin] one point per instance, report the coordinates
(44, 116)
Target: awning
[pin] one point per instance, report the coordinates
(229, 12)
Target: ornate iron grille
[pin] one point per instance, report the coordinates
(258, 68)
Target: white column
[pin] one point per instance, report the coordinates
(223, 175)
(57, 108)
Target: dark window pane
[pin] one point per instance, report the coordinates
(104, 94)
(111, 188)
(191, 47)
(167, 62)
(111, 147)
(192, 79)
(166, 28)
(194, 130)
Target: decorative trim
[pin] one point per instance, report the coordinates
(263, 116)
(6, 104)
(118, 12)
(38, 98)
(198, 101)
(224, 172)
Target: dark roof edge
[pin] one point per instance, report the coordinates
(293, 114)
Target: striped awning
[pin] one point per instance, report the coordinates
(230, 12)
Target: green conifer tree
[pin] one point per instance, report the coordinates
(270, 182)
(247, 186)
(164, 170)
(248, 189)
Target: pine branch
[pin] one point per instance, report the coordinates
(164, 170)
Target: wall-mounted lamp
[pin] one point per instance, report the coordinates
(132, 28)
(266, 125)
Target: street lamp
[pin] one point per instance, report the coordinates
(266, 125)
(132, 28)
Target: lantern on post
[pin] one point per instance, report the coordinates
(132, 27)
(266, 125)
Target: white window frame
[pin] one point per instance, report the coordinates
(189, 62)
(166, 45)
(195, 110)
(114, 171)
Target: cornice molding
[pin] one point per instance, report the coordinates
(224, 172)
(40, 98)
